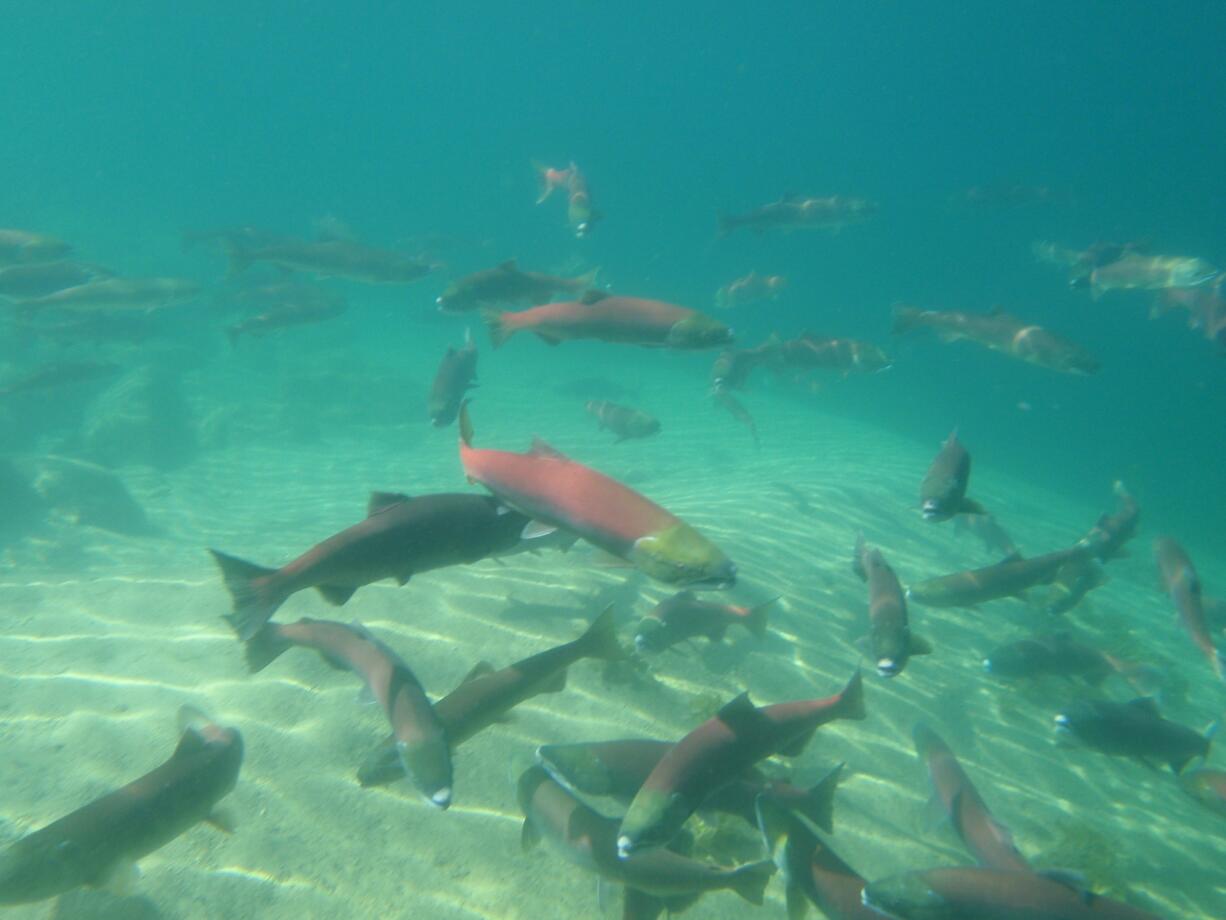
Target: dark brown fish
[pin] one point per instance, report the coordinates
(974, 893)
(506, 284)
(987, 839)
(943, 490)
(685, 616)
(1183, 585)
(1001, 332)
(302, 311)
(619, 768)
(1133, 729)
(890, 640)
(718, 751)
(400, 537)
(624, 422)
(1010, 578)
(589, 840)
(420, 741)
(102, 841)
(456, 375)
(486, 695)
(796, 212)
(1062, 656)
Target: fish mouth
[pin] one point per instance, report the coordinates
(625, 847)
(642, 644)
(888, 667)
(987, 666)
(930, 510)
(441, 798)
(1063, 723)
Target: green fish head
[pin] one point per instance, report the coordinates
(653, 819)
(575, 766)
(428, 763)
(680, 555)
(906, 897)
(698, 331)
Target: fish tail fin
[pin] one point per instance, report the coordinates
(544, 188)
(851, 700)
(905, 318)
(250, 590)
(264, 648)
(600, 639)
(759, 618)
(466, 425)
(750, 881)
(818, 803)
(496, 325)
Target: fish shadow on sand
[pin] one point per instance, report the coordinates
(85, 904)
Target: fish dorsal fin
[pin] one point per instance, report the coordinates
(1146, 704)
(740, 714)
(480, 669)
(191, 742)
(593, 296)
(508, 266)
(381, 501)
(540, 448)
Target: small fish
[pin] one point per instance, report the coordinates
(1206, 786)
(987, 529)
(589, 840)
(559, 492)
(943, 490)
(719, 750)
(1060, 655)
(749, 289)
(796, 212)
(624, 422)
(19, 247)
(611, 318)
(454, 378)
(1010, 578)
(890, 640)
(987, 839)
(733, 406)
(619, 768)
(550, 179)
(292, 312)
(1183, 585)
(1133, 729)
(1000, 332)
(332, 258)
(684, 616)
(810, 869)
(105, 295)
(420, 740)
(506, 283)
(1136, 271)
(975, 893)
(486, 695)
(61, 374)
(400, 537)
(38, 279)
(1074, 580)
(100, 843)
(846, 356)
(1206, 308)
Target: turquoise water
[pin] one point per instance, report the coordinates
(414, 129)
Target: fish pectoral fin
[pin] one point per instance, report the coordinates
(529, 836)
(223, 819)
(919, 646)
(336, 595)
(366, 696)
(480, 669)
(935, 815)
(541, 448)
(536, 530)
(593, 295)
(556, 683)
(120, 878)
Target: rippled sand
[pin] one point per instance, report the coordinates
(103, 638)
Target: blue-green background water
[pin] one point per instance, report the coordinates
(416, 124)
(128, 126)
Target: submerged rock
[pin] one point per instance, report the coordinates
(142, 419)
(91, 495)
